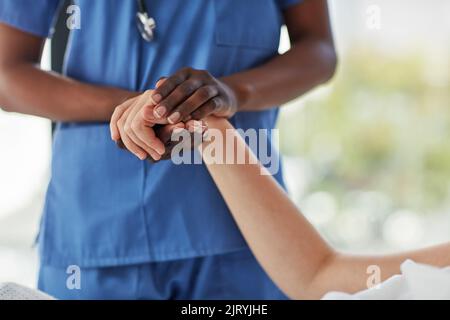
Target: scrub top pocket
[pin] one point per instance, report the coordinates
(248, 23)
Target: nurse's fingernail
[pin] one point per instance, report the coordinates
(174, 117)
(156, 97)
(160, 112)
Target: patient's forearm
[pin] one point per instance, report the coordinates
(286, 244)
(350, 273)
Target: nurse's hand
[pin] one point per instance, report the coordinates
(136, 133)
(192, 94)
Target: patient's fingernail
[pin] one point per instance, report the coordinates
(161, 150)
(156, 97)
(160, 111)
(142, 156)
(174, 117)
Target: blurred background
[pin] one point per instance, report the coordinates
(367, 157)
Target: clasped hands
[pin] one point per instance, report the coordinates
(144, 124)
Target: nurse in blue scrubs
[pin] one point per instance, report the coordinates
(129, 226)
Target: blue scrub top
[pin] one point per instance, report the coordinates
(103, 206)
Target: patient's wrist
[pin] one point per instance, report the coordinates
(218, 123)
(216, 137)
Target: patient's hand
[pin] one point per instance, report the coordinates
(130, 128)
(134, 127)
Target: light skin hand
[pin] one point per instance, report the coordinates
(137, 134)
(133, 127)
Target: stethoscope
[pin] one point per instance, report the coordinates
(146, 24)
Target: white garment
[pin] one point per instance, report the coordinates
(416, 282)
(12, 291)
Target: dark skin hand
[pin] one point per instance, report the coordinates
(196, 94)
(193, 94)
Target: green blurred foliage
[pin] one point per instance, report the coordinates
(380, 125)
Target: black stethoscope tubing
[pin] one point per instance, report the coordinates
(145, 24)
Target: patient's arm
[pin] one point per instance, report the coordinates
(288, 247)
